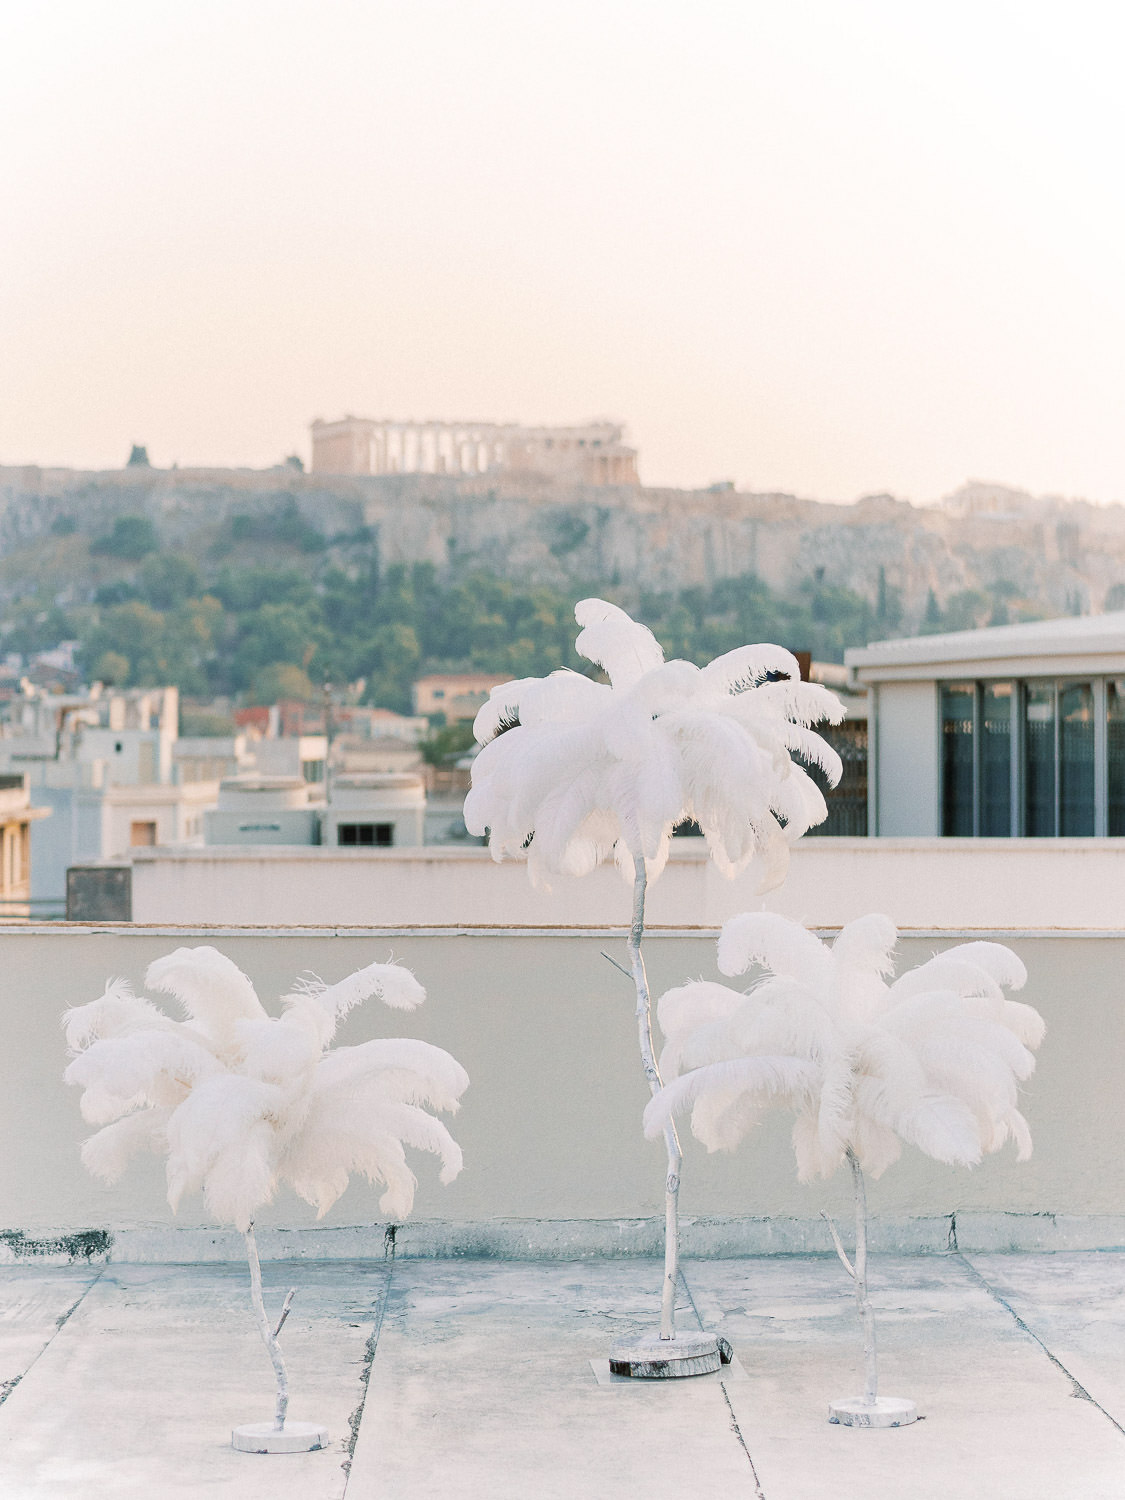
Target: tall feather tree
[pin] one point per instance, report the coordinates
(241, 1102)
(573, 772)
(866, 1062)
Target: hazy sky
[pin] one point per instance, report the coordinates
(827, 246)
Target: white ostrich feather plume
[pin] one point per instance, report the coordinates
(242, 1102)
(576, 772)
(866, 1062)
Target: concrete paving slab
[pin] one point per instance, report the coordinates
(1075, 1304)
(35, 1303)
(482, 1386)
(1001, 1422)
(138, 1392)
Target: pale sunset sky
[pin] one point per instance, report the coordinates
(823, 247)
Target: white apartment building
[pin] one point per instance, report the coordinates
(103, 762)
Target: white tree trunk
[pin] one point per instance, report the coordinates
(655, 1083)
(870, 1365)
(269, 1335)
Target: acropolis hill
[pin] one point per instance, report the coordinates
(1058, 555)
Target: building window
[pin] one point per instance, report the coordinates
(142, 835)
(365, 835)
(1023, 759)
(313, 771)
(996, 760)
(1115, 756)
(1039, 760)
(958, 717)
(1076, 759)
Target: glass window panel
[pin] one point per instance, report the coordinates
(996, 760)
(957, 759)
(1039, 760)
(1076, 759)
(1115, 754)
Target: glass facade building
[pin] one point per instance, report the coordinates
(1033, 758)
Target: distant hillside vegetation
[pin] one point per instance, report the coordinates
(268, 583)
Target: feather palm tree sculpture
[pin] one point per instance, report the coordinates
(932, 1059)
(241, 1102)
(574, 772)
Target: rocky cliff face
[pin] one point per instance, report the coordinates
(1053, 555)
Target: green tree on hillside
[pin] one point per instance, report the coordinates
(132, 538)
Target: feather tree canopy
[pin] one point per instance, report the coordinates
(241, 1102)
(575, 771)
(865, 1061)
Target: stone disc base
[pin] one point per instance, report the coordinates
(888, 1411)
(667, 1359)
(294, 1437)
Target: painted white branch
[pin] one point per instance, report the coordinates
(285, 1306)
(655, 1083)
(840, 1251)
(269, 1336)
(870, 1365)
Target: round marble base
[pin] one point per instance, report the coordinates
(666, 1359)
(888, 1411)
(294, 1437)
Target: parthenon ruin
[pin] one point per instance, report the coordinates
(593, 454)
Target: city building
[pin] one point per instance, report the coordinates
(16, 818)
(1016, 731)
(457, 695)
(363, 810)
(589, 454)
(103, 762)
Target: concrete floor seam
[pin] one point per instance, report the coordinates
(355, 1421)
(735, 1427)
(1078, 1388)
(60, 1324)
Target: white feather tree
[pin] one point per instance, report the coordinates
(573, 772)
(933, 1059)
(241, 1102)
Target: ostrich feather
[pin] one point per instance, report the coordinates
(213, 990)
(763, 1077)
(694, 1004)
(503, 707)
(779, 945)
(592, 771)
(748, 666)
(109, 1152)
(625, 649)
(868, 943)
(933, 1060)
(122, 1073)
(115, 1013)
(243, 1102)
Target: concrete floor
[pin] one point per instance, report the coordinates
(465, 1379)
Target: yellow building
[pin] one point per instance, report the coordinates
(16, 818)
(457, 695)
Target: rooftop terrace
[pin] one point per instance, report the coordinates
(453, 1380)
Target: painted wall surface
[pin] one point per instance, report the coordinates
(551, 1123)
(927, 883)
(908, 760)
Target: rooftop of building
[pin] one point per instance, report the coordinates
(1072, 635)
(486, 1378)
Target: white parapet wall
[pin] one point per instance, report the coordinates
(1013, 884)
(555, 1162)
